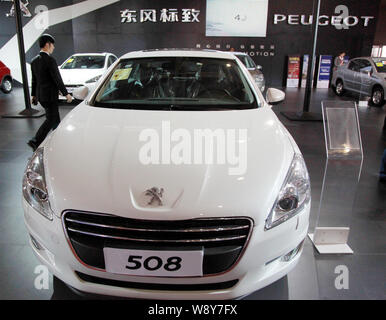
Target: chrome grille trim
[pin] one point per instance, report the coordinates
(157, 230)
(156, 240)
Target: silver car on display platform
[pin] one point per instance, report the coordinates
(365, 75)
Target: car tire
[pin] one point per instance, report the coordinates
(377, 98)
(6, 85)
(339, 89)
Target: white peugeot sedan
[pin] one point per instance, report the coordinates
(84, 69)
(173, 180)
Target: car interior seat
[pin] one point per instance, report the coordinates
(210, 83)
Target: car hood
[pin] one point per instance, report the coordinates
(92, 163)
(79, 76)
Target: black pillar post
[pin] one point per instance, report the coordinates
(28, 112)
(305, 115)
(310, 76)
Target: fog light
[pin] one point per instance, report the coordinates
(290, 255)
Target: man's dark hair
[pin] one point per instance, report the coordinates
(45, 38)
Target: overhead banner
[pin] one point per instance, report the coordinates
(293, 71)
(325, 64)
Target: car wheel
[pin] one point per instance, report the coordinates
(6, 86)
(377, 97)
(339, 90)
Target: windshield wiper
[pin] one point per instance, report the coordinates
(171, 106)
(172, 99)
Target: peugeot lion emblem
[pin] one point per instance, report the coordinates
(156, 196)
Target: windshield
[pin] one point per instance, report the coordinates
(84, 62)
(380, 64)
(176, 83)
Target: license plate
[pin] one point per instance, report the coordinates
(154, 262)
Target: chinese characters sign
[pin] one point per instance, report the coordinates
(164, 15)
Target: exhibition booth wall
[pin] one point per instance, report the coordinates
(269, 31)
(380, 35)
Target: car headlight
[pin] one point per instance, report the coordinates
(293, 196)
(34, 185)
(95, 79)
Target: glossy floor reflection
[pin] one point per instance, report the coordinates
(313, 278)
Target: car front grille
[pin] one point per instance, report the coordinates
(221, 239)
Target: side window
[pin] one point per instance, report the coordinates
(251, 63)
(111, 61)
(353, 65)
(365, 66)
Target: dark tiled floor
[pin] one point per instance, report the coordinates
(313, 278)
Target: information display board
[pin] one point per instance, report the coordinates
(293, 74)
(242, 18)
(306, 59)
(324, 72)
(330, 231)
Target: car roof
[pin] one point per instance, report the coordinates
(179, 53)
(369, 58)
(239, 53)
(92, 54)
(373, 59)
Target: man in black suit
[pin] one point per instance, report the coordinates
(46, 84)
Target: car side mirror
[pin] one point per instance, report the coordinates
(80, 93)
(274, 96)
(259, 67)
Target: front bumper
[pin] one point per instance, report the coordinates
(259, 266)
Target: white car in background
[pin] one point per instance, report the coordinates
(255, 70)
(106, 220)
(84, 69)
